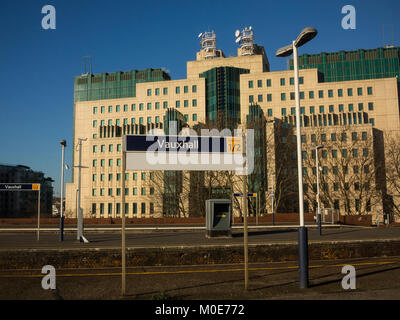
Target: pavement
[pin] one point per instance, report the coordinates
(155, 236)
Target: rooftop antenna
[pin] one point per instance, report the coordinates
(89, 58)
(245, 38)
(208, 44)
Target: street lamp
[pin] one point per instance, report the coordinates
(63, 145)
(79, 214)
(305, 35)
(316, 148)
(273, 195)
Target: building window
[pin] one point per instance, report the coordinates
(311, 94)
(251, 98)
(133, 107)
(313, 138)
(269, 97)
(359, 91)
(165, 104)
(259, 83)
(321, 109)
(292, 96)
(194, 117)
(269, 112)
(331, 108)
(350, 92)
(340, 92)
(102, 109)
(177, 90)
(312, 110)
(94, 177)
(141, 107)
(320, 93)
(301, 80)
(194, 88)
(360, 107)
(143, 176)
(341, 108)
(185, 103)
(283, 111)
(109, 108)
(149, 106)
(143, 207)
(185, 89)
(194, 103)
(372, 121)
(250, 84)
(369, 91)
(330, 93)
(148, 92)
(291, 81)
(94, 110)
(333, 136)
(351, 108)
(268, 82)
(110, 162)
(370, 106)
(260, 98)
(282, 81)
(283, 96)
(177, 104)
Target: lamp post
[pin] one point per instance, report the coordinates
(272, 174)
(305, 35)
(80, 236)
(63, 145)
(273, 196)
(316, 148)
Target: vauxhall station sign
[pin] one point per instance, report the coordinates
(19, 186)
(182, 152)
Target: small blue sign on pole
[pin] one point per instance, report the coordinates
(238, 194)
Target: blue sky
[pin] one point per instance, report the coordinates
(38, 66)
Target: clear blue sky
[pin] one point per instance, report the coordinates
(38, 66)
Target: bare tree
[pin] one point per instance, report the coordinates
(348, 169)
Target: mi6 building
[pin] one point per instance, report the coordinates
(349, 107)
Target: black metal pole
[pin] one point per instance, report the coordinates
(62, 228)
(303, 257)
(319, 224)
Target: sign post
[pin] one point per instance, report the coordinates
(25, 187)
(182, 153)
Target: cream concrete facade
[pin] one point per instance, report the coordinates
(325, 104)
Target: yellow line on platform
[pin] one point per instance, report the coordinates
(195, 271)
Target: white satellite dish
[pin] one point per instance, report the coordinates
(250, 28)
(238, 39)
(237, 33)
(200, 34)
